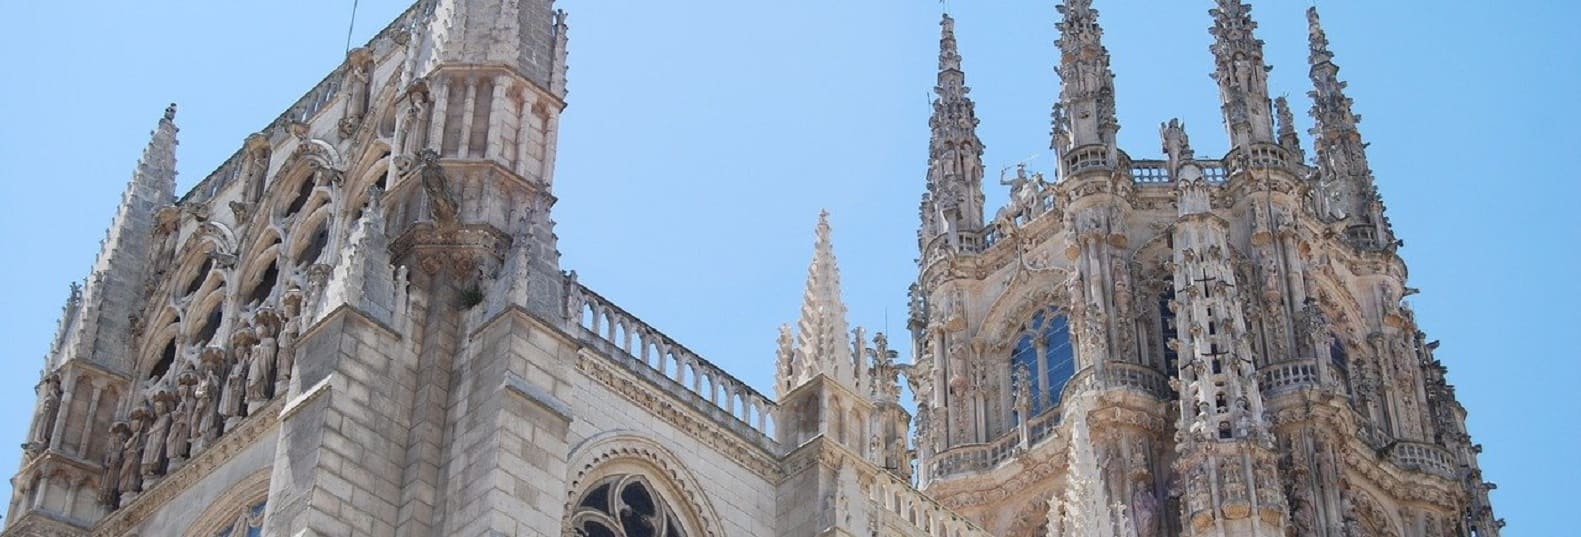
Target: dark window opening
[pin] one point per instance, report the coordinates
(210, 326)
(199, 277)
(166, 359)
(265, 284)
(303, 193)
(315, 245)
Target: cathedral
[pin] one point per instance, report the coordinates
(359, 325)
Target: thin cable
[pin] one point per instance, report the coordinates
(353, 26)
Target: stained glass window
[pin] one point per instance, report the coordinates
(624, 506)
(1044, 351)
(1341, 362)
(246, 524)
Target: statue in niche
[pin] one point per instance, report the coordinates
(285, 357)
(1144, 511)
(357, 88)
(233, 401)
(259, 382)
(130, 478)
(154, 448)
(110, 482)
(50, 395)
(176, 442)
(441, 203)
(205, 394)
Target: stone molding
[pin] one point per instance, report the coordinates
(664, 406)
(590, 460)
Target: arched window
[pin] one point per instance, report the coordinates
(248, 524)
(1340, 361)
(624, 506)
(1045, 351)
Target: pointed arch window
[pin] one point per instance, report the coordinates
(624, 506)
(1044, 351)
(248, 524)
(1340, 361)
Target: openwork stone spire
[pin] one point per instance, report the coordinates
(822, 345)
(114, 290)
(1085, 115)
(954, 202)
(1347, 181)
(1241, 74)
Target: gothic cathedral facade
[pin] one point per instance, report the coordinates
(358, 325)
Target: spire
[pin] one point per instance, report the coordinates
(1241, 74)
(822, 342)
(1085, 115)
(1341, 156)
(954, 202)
(1286, 122)
(114, 291)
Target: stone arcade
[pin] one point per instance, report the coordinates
(359, 326)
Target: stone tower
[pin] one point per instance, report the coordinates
(1185, 346)
(358, 325)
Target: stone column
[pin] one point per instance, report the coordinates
(90, 420)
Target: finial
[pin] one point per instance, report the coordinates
(1317, 39)
(170, 112)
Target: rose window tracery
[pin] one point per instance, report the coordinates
(624, 506)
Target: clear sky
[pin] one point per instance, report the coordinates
(703, 137)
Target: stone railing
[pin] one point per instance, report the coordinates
(980, 457)
(1156, 172)
(1423, 457)
(1088, 157)
(903, 506)
(655, 356)
(1150, 172)
(1214, 171)
(1283, 376)
(1121, 375)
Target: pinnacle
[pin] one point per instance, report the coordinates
(822, 328)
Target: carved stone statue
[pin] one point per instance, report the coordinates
(131, 478)
(259, 382)
(1144, 510)
(48, 409)
(441, 203)
(176, 442)
(233, 402)
(154, 447)
(110, 482)
(205, 400)
(285, 357)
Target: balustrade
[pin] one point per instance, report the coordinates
(905, 506)
(1290, 375)
(653, 355)
(1423, 457)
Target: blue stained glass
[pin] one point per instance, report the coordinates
(1046, 353)
(1341, 362)
(1059, 355)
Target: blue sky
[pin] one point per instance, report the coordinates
(703, 137)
